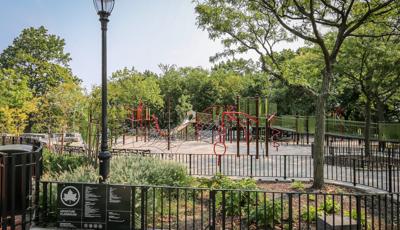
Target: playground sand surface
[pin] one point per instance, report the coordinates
(203, 147)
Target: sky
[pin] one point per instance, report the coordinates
(142, 33)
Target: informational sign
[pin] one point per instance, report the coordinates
(94, 206)
(119, 207)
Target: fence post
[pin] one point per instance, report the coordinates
(284, 167)
(238, 127)
(143, 207)
(312, 150)
(257, 126)
(190, 164)
(251, 166)
(307, 131)
(354, 173)
(290, 218)
(266, 136)
(297, 130)
(390, 169)
(213, 211)
(358, 207)
(219, 162)
(44, 219)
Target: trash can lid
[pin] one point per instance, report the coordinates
(16, 148)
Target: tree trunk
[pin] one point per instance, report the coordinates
(380, 111)
(320, 132)
(367, 128)
(380, 115)
(28, 128)
(319, 143)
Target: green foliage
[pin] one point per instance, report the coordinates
(220, 181)
(123, 170)
(39, 56)
(310, 213)
(54, 164)
(31, 67)
(353, 215)
(298, 185)
(266, 213)
(16, 102)
(330, 206)
(245, 201)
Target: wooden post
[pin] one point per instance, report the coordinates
(137, 131)
(186, 132)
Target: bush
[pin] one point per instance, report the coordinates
(133, 170)
(310, 214)
(148, 171)
(249, 202)
(54, 163)
(353, 215)
(298, 185)
(330, 207)
(266, 214)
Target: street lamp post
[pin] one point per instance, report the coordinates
(104, 9)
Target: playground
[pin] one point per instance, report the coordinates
(250, 127)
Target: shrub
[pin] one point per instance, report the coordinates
(298, 185)
(129, 170)
(266, 214)
(148, 171)
(330, 206)
(249, 202)
(54, 163)
(310, 213)
(353, 215)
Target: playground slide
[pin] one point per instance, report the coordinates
(186, 122)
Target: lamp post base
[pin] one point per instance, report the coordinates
(104, 165)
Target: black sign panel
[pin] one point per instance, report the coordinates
(119, 207)
(94, 202)
(70, 205)
(94, 206)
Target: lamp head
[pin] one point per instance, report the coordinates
(104, 7)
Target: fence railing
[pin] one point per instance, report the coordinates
(154, 207)
(379, 173)
(337, 127)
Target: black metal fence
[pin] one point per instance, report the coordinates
(379, 173)
(19, 184)
(154, 207)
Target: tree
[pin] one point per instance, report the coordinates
(40, 57)
(258, 25)
(373, 65)
(61, 109)
(16, 102)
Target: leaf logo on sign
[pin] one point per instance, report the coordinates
(70, 196)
